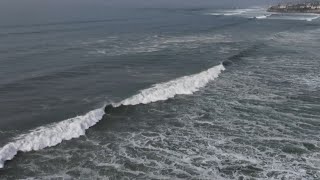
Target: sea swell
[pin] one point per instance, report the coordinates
(51, 135)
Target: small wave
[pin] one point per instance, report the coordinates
(306, 37)
(48, 136)
(237, 12)
(312, 18)
(230, 12)
(263, 16)
(261, 13)
(295, 17)
(244, 53)
(149, 44)
(258, 13)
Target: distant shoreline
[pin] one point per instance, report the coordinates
(296, 8)
(292, 11)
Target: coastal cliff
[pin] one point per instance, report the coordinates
(296, 8)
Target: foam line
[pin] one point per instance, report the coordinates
(47, 136)
(51, 135)
(167, 90)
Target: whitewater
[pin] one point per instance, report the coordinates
(52, 135)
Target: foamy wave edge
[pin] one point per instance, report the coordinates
(51, 135)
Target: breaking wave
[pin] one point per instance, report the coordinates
(256, 13)
(295, 17)
(232, 12)
(51, 135)
(167, 90)
(262, 16)
(261, 13)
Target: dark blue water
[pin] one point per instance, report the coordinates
(176, 112)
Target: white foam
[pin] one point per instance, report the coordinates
(312, 18)
(52, 135)
(229, 12)
(153, 43)
(183, 85)
(296, 17)
(261, 13)
(263, 16)
(258, 13)
(235, 12)
(47, 136)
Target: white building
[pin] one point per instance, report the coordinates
(282, 6)
(315, 7)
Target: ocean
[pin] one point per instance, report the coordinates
(161, 93)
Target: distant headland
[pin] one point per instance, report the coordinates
(308, 7)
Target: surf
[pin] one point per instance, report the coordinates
(54, 134)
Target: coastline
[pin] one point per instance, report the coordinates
(293, 11)
(296, 8)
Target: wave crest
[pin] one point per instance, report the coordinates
(167, 90)
(48, 136)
